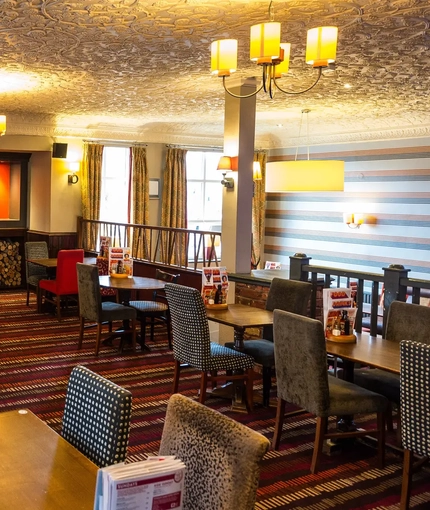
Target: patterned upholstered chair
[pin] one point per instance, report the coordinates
(303, 380)
(291, 296)
(192, 345)
(65, 283)
(103, 265)
(221, 455)
(96, 417)
(33, 272)
(157, 309)
(405, 321)
(93, 309)
(415, 408)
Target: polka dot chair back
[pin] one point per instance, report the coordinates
(414, 396)
(96, 417)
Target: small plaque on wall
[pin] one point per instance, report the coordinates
(154, 188)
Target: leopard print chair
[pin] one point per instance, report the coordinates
(96, 417)
(222, 457)
(192, 346)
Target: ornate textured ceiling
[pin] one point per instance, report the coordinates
(139, 70)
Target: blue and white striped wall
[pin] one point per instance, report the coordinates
(387, 182)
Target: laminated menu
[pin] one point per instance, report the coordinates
(120, 262)
(339, 313)
(105, 243)
(156, 483)
(215, 287)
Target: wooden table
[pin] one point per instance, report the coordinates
(51, 263)
(39, 469)
(241, 317)
(368, 350)
(127, 288)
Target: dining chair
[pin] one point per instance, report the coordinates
(291, 296)
(96, 417)
(65, 283)
(405, 321)
(157, 309)
(33, 272)
(303, 380)
(92, 308)
(415, 409)
(221, 455)
(192, 346)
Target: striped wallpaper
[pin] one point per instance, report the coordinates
(388, 182)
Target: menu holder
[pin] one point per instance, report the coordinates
(117, 275)
(222, 306)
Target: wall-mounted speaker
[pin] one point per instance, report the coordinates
(59, 150)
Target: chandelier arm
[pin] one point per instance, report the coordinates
(236, 95)
(300, 91)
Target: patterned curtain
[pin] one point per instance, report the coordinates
(91, 191)
(174, 207)
(258, 212)
(140, 195)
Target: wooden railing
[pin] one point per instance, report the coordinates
(189, 249)
(393, 284)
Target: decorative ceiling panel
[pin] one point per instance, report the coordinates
(139, 70)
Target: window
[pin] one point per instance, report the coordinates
(204, 191)
(115, 184)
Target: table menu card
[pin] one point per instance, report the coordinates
(214, 286)
(339, 308)
(154, 483)
(120, 262)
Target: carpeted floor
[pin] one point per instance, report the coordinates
(38, 354)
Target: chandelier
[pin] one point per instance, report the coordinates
(267, 51)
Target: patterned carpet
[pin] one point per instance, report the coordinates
(38, 354)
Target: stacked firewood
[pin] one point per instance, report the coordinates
(10, 263)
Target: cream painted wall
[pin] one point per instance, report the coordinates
(40, 191)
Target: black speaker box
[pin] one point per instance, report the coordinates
(59, 150)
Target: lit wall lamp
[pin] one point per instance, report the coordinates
(353, 220)
(2, 125)
(73, 167)
(227, 164)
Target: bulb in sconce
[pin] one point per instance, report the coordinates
(74, 167)
(353, 220)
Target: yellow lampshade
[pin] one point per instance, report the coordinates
(256, 171)
(306, 175)
(2, 125)
(283, 67)
(265, 42)
(321, 46)
(224, 57)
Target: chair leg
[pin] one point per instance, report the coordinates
(267, 384)
(58, 301)
(176, 376)
(99, 333)
(203, 386)
(250, 389)
(278, 423)
(169, 330)
(152, 328)
(81, 331)
(381, 439)
(28, 296)
(406, 479)
(39, 299)
(389, 417)
(133, 337)
(319, 438)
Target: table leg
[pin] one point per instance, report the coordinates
(238, 400)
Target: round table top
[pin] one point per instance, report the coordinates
(132, 283)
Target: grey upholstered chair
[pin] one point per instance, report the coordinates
(303, 380)
(33, 272)
(405, 321)
(157, 309)
(192, 345)
(415, 408)
(291, 296)
(93, 309)
(96, 417)
(222, 456)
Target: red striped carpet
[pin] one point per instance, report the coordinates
(38, 353)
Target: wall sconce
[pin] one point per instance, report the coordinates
(227, 164)
(353, 220)
(73, 167)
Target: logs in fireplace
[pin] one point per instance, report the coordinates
(10, 263)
